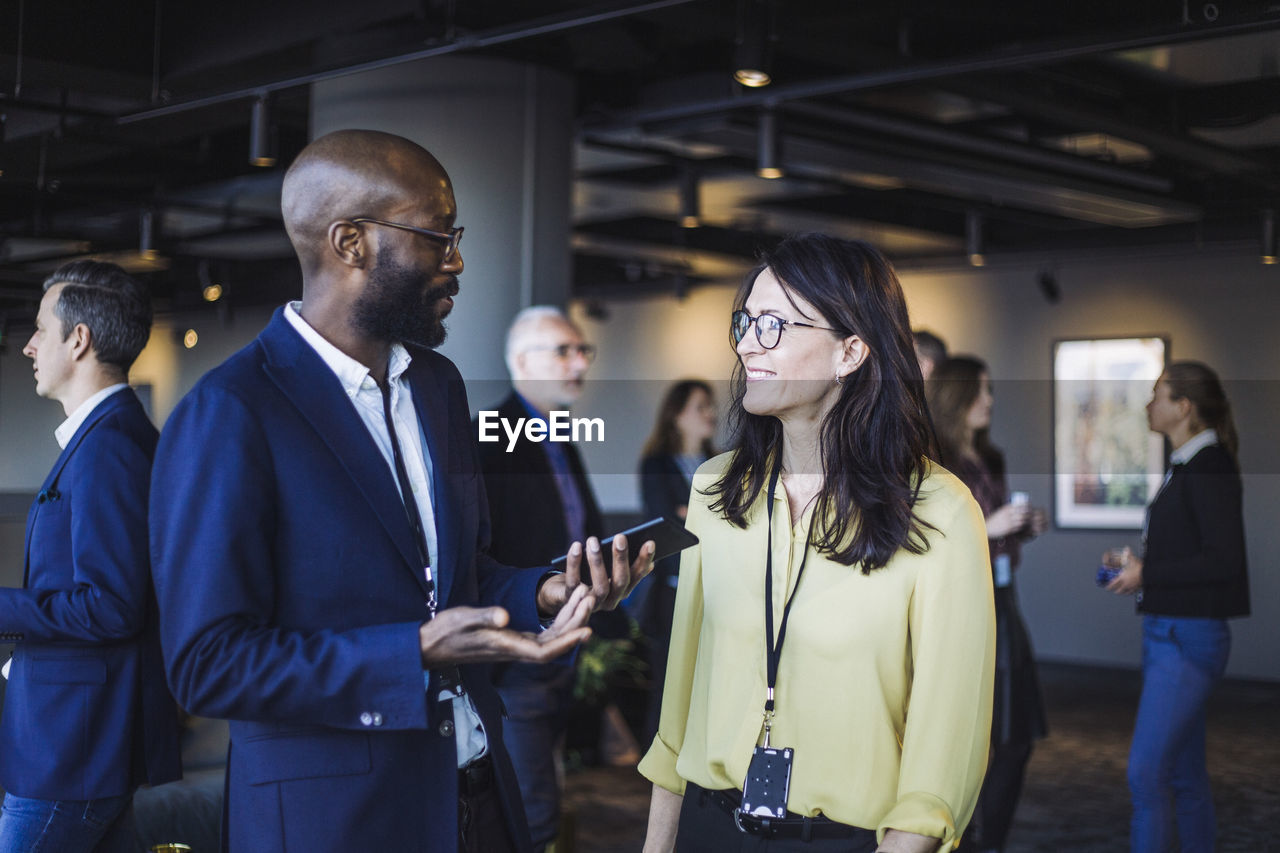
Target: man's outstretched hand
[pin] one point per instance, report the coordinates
(460, 635)
(608, 586)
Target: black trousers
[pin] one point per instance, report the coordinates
(705, 826)
(998, 801)
(482, 826)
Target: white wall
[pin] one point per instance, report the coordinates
(1217, 309)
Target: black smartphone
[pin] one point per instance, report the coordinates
(668, 536)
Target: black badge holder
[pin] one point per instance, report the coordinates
(768, 782)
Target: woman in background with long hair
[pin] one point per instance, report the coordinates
(960, 401)
(834, 629)
(1192, 577)
(679, 443)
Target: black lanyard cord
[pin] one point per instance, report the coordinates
(772, 650)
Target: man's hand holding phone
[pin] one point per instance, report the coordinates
(608, 586)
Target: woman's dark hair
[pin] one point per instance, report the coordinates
(665, 440)
(875, 440)
(951, 392)
(1197, 383)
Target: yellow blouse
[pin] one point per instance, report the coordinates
(885, 683)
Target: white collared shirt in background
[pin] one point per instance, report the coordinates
(1194, 445)
(67, 429)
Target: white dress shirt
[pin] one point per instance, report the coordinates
(67, 430)
(1194, 445)
(366, 397)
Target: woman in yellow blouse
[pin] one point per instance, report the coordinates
(881, 627)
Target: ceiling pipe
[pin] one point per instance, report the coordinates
(9, 104)
(1033, 54)
(486, 38)
(1007, 152)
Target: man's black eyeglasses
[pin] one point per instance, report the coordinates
(450, 238)
(768, 328)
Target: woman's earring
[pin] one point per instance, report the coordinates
(839, 379)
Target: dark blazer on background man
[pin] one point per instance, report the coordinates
(527, 518)
(86, 712)
(291, 593)
(524, 505)
(1194, 564)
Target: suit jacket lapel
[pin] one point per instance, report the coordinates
(312, 387)
(113, 402)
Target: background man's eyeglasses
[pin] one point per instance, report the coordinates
(450, 238)
(562, 352)
(768, 328)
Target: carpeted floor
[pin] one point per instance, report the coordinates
(1075, 799)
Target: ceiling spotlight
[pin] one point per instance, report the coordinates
(147, 235)
(973, 238)
(754, 44)
(1049, 287)
(190, 339)
(689, 207)
(212, 293)
(1269, 237)
(768, 160)
(260, 134)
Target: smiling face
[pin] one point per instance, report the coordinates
(51, 356)
(796, 379)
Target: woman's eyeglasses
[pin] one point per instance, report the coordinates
(768, 328)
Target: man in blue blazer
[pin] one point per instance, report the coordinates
(87, 716)
(318, 533)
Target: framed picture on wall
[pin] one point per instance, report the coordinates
(1107, 464)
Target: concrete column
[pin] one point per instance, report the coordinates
(504, 132)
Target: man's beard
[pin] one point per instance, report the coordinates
(395, 308)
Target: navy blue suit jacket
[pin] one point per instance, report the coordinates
(291, 594)
(86, 711)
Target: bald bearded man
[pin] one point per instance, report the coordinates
(319, 535)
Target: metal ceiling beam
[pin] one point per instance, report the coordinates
(1178, 146)
(966, 177)
(1031, 55)
(1013, 152)
(8, 104)
(486, 38)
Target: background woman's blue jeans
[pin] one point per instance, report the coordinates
(67, 826)
(1182, 659)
